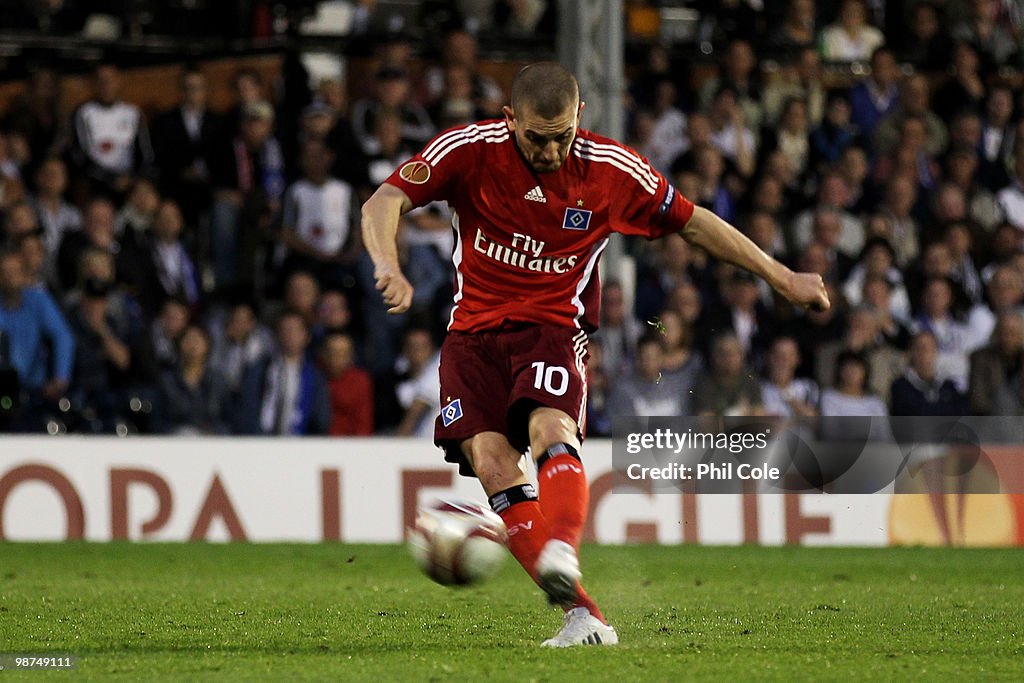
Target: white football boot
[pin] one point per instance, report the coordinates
(582, 628)
(558, 572)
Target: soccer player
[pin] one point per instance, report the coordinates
(534, 199)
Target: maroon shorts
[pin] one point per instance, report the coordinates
(491, 381)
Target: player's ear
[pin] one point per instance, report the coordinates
(510, 117)
(579, 113)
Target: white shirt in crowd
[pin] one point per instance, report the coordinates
(321, 215)
(424, 386)
(108, 134)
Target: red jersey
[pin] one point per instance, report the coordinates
(527, 243)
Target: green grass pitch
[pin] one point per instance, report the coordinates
(330, 612)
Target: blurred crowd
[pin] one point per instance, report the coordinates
(199, 271)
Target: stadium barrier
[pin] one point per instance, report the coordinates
(367, 491)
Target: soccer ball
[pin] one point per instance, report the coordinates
(457, 542)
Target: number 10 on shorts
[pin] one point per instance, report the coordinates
(554, 379)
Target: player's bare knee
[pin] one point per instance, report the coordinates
(548, 427)
(495, 462)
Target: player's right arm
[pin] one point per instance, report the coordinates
(380, 217)
(433, 174)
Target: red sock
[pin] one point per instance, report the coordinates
(564, 497)
(528, 532)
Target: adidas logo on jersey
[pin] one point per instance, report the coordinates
(535, 195)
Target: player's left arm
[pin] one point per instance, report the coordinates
(710, 232)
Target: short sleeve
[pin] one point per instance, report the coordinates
(432, 174)
(649, 205)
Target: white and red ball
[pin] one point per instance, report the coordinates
(457, 542)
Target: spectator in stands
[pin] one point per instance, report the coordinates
(161, 348)
(671, 264)
(743, 315)
(993, 40)
(801, 79)
(38, 114)
(249, 89)
(920, 390)
(97, 232)
(959, 237)
(732, 134)
(926, 46)
(333, 314)
(792, 136)
(798, 29)
(170, 271)
(185, 139)
(814, 329)
(878, 259)
(238, 342)
(964, 90)
(911, 156)
(619, 331)
(418, 391)
(642, 393)
(863, 338)
(56, 215)
(681, 363)
(1005, 295)
(33, 255)
(458, 104)
(668, 136)
(995, 366)
(953, 337)
(599, 388)
(460, 50)
(132, 227)
(19, 220)
(193, 398)
(851, 38)
(935, 263)
(350, 387)
(301, 294)
(392, 95)
(897, 209)
(317, 218)
(877, 293)
(836, 132)
(727, 387)
(741, 78)
(714, 193)
(914, 103)
(827, 232)
(284, 395)
(103, 357)
(1011, 197)
(31, 323)
(832, 206)
(110, 143)
(851, 395)
(98, 265)
(784, 394)
(874, 97)
(998, 134)
(386, 149)
(961, 171)
(249, 182)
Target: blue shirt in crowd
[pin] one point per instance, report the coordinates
(25, 328)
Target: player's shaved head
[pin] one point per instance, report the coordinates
(547, 89)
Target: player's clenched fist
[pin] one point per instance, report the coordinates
(395, 289)
(807, 290)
